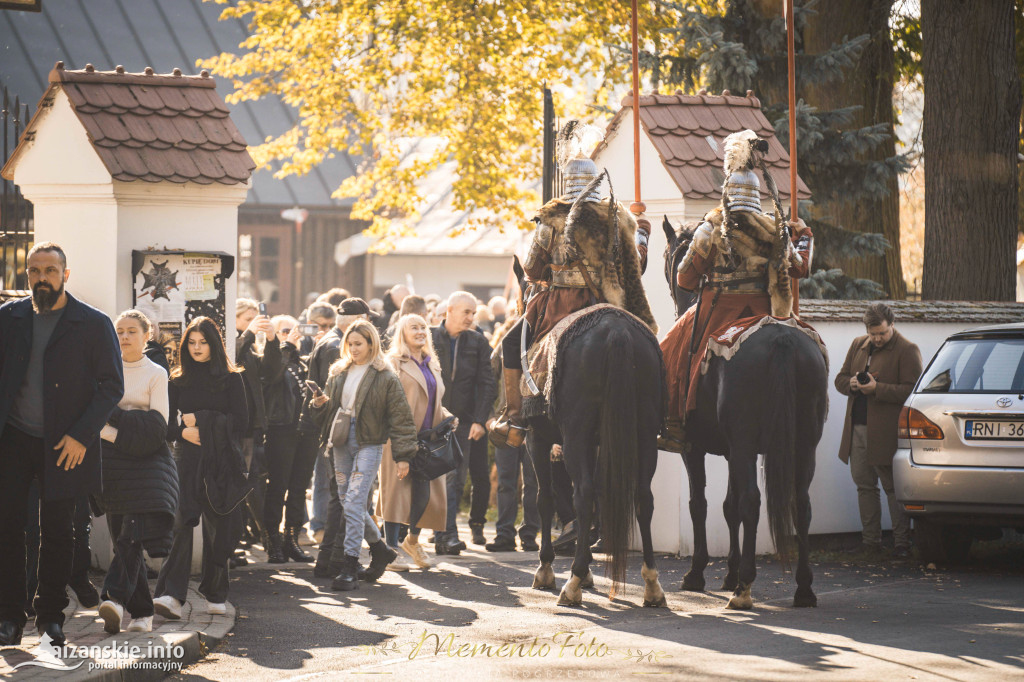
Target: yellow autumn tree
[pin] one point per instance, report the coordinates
(369, 77)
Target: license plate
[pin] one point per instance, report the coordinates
(991, 430)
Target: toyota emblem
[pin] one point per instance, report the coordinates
(1004, 402)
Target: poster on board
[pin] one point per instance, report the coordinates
(173, 288)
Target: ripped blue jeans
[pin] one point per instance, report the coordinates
(355, 468)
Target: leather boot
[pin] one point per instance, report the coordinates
(478, 533)
(510, 429)
(380, 556)
(272, 543)
(347, 580)
(291, 547)
(674, 437)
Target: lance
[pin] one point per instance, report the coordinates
(791, 60)
(638, 207)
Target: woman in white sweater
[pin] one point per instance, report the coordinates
(140, 487)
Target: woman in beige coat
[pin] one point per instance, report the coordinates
(411, 356)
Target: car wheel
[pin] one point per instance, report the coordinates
(957, 542)
(928, 537)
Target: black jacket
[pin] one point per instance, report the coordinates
(469, 387)
(257, 370)
(82, 384)
(155, 352)
(139, 476)
(326, 351)
(284, 392)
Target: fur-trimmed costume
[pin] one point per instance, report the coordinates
(744, 280)
(604, 248)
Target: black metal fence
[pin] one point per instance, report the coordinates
(16, 226)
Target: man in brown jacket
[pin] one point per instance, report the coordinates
(878, 376)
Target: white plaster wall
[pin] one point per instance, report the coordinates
(440, 275)
(99, 222)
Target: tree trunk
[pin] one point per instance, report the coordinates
(869, 85)
(972, 110)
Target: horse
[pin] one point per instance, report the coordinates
(770, 398)
(608, 393)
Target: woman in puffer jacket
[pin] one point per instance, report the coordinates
(363, 405)
(140, 481)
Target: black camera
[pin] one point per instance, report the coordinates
(863, 378)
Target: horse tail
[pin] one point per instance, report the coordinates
(618, 460)
(780, 443)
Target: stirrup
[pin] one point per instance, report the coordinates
(506, 434)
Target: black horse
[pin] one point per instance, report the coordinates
(770, 399)
(608, 395)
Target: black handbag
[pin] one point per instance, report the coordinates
(438, 452)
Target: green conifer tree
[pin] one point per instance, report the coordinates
(731, 45)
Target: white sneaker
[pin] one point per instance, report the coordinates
(414, 549)
(144, 624)
(398, 566)
(168, 607)
(216, 609)
(111, 612)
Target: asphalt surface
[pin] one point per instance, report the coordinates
(876, 620)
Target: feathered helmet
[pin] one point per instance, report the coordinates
(573, 145)
(742, 189)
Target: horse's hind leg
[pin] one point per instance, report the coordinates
(648, 453)
(693, 581)
(804, 594)
(731, 511)
(578, 451)
(540, 450)
(743, 468)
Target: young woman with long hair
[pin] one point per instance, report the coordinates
(363, 406)
(206, 394)
(140, 481)
(403, 499)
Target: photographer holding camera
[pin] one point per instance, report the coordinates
(878, 376)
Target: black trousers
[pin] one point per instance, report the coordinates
(21, 460)
(290, 457)
(219, 540)
(126, 581)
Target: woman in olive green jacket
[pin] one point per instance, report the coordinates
(363, 406)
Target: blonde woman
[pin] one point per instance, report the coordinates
(409, 500)
(363, 405)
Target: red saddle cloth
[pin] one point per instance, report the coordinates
(722, 340)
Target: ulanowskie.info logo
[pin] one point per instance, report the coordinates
(163, 657)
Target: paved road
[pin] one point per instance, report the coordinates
(874, 622)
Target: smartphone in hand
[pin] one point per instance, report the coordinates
(263, 308)
(311, 385)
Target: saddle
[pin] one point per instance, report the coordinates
(726, 342)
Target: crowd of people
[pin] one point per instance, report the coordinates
(332, 398)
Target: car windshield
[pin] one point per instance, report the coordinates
(976, 366)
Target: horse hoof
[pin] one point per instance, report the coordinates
(571, 594)
(805, 599)
(588, 582)
(741, 600)
(692, 583)
(659, 603)
(730, 583)
(544, 578)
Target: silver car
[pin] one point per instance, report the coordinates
(959, 466)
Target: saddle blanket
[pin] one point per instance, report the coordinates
(725, 342)
(543, 355)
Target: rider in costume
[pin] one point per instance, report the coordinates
(583, 252)
(737, 264)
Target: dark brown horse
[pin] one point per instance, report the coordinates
(769, 399)
(606, 412)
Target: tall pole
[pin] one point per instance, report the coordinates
(793, 199)
(637, 208)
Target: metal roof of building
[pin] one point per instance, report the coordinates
(971, 312)
(162, 35)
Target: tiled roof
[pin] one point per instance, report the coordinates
(971, 312)
(688, 131)
(151, 127)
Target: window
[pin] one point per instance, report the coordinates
(977, 366)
